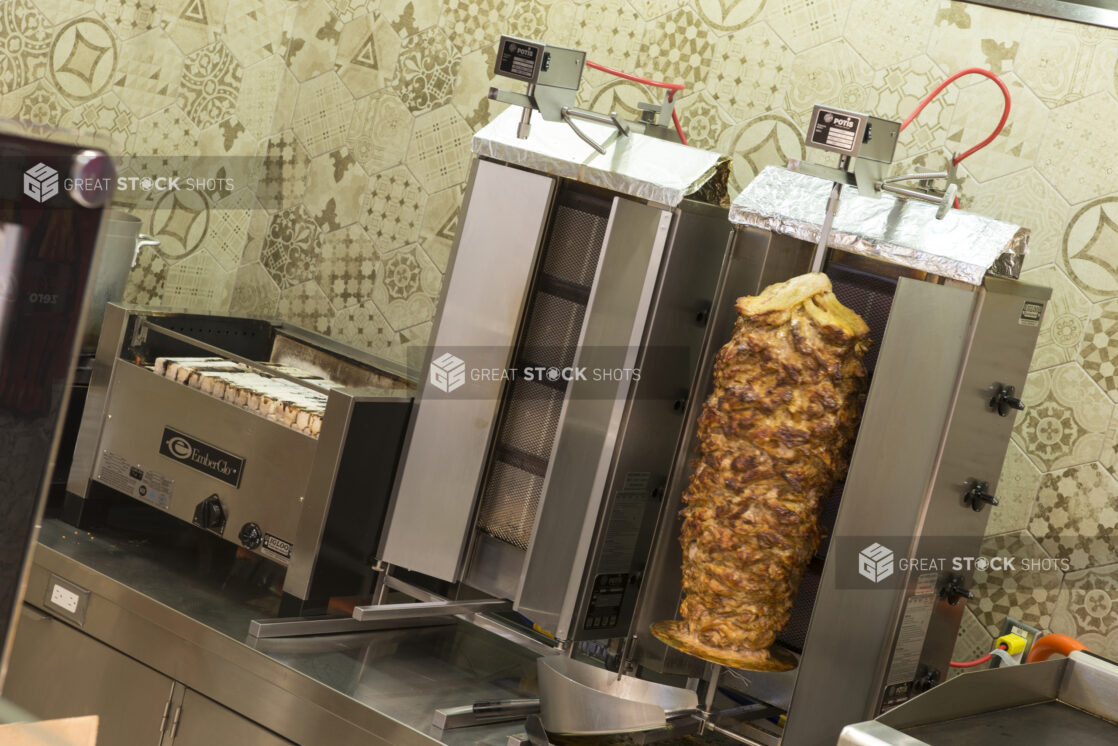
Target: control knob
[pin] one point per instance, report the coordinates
(1004, 400)
(210, 514)
(250, 535)
(925, 680)
(955, 590)
(977, 496)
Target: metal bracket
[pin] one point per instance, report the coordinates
(425, 609)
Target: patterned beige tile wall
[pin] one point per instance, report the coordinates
(366, 108)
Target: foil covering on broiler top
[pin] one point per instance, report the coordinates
(277, 399)
(962, 246)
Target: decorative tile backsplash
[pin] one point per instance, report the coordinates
(364, 110)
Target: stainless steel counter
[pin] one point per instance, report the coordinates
(164, 607)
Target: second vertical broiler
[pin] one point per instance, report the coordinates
(558, 369)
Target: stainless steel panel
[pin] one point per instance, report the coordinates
(503, 219)
(885, 495)
(494, 566)
(315, 499)
(981, 691)
(93, 415)
(1091, 684)
(976, 443)
(203, 722)
(577, 473)
(56, 671)
(277, 458)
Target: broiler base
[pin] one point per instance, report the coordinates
(675, 634)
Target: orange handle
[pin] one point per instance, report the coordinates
(1053, 644)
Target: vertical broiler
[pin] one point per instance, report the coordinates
(539, 448)
(953, 335)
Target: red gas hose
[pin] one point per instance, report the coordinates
(977, 661)
(673, 87)
(973, 663)
(939, 89)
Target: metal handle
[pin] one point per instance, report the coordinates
(175, 723)
(566, 115)
(166, 715)
(944, 202)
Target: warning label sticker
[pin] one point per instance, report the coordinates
(914, 628)
(132, 479)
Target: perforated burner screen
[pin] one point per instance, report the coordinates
(870, 297)
(530, 415)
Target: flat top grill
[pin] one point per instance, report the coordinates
(1052, 722)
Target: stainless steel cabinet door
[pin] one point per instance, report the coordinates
(203, 722)
(57, 671)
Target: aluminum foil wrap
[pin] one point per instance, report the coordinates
(638, 165)
(963, 246)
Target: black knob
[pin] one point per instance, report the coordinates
(925, 679)
(954, 590)
(250, 535)
(977, 496)
(868, 135)
(1004, 400)
(210, 514)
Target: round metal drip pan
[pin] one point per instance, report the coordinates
(674, 633)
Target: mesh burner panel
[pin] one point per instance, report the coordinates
(870, 297)
(530, 416)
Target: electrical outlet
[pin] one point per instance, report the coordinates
(67, 600)
(1013, 626)
(64, 598)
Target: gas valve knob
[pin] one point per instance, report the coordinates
(954, 590)
(210, 514)
(977, 496)
(1004, 400)
(250, 536)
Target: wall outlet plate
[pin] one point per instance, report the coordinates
(1017, 627)
(67, 600)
